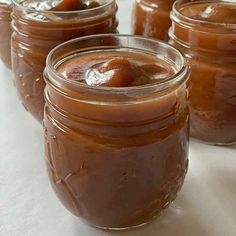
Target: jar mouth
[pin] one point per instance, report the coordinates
(153, 4)
(148, 4)
(126, 42)
(90, 11)
(179, 4)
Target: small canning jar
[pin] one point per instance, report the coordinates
(36, 32)
(5, 32)
(116, 157)
(151, 18)
(209, 44)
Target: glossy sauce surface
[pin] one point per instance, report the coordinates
(116, 161)
(37, 32)
(223, 13)
(74, 5)
(210, 46)
(116, 69)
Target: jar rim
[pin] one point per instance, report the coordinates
(82, 12)
(177, 77)
(176, 13)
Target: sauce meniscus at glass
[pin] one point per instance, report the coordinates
(116, 127)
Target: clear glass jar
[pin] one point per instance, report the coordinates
(116, 157)
(211, 51)
(151, 18)
(35, 33)
(5, 32)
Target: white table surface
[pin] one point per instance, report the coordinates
(206, 205)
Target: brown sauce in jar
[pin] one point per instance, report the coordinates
(205, 32)
(151, 18)
(116, 69)
(113, 159)
(5, 32)
(39, 27)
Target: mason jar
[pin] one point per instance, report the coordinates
(36, 32)
(151, 18)
(5, 32)
(205, 31)
(116, 156)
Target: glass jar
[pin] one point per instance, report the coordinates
(35, 33)
(5, 32)
(211, 50)
(151, 18)
(116, 157)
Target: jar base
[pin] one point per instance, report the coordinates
(214, 144)
(128, 227)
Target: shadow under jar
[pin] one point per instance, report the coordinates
(37, 31)
(116, 127)
(205, 31)
(151, 18)
(5, 32)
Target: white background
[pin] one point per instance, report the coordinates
(206, 206)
